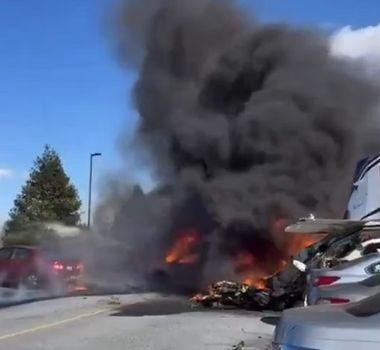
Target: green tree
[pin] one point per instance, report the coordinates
(48, 195)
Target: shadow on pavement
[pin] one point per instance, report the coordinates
(171, 305)
(155, 308)
(271, 320)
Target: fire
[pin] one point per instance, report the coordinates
(292, 243)
(255, 263)
(182, 251)
(247, 265)
(259, 283)
(263, 260)
(296, 242)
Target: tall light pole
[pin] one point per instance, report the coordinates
(92, 155)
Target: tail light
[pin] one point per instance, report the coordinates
(325, 280)
(333, 301)
(57, 265)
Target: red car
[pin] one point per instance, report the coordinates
(32, 268)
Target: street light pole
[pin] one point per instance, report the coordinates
(92, 155)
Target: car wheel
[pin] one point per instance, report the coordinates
(31, 281)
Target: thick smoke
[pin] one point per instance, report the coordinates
(258, 122)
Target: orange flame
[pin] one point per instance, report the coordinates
(259, 279)
(296, 242)
(182, 250)
(256, 269)
(259, 283)
(292, 243)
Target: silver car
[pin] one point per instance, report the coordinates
(330, 327)
(349, 292)
(349, 272)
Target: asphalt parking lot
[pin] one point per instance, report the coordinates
(139, 321)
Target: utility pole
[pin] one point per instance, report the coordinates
(92, 155)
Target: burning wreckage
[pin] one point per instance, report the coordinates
(235, 294)
(226, 119)
(263, 278)
(266, 278)
(341, 238)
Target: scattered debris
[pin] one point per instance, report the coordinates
(239, 346)
(241, 295)
(114, 301)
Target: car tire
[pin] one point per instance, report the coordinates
(31, 281)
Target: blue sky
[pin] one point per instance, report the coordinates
(334, 13)
(61, 84)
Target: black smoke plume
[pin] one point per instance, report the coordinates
(257, 122)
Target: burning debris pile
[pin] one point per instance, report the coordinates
(277, 292)
(246, 126)
(226, 293)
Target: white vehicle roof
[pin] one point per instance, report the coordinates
(364, 202)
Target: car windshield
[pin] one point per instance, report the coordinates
(59, 255)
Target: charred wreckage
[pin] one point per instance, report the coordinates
(338, 241)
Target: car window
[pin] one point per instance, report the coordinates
(20, 254)
(372, 248)
(366, 307)
(356, 261)
(372, 281)
(5, 253)
(59, 255)
(374, 268)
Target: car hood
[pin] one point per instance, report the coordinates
(327, 327)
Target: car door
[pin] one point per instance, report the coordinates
(20, 262)
(5, 257)
(5, 264)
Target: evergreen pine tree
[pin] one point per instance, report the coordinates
(47, 196)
